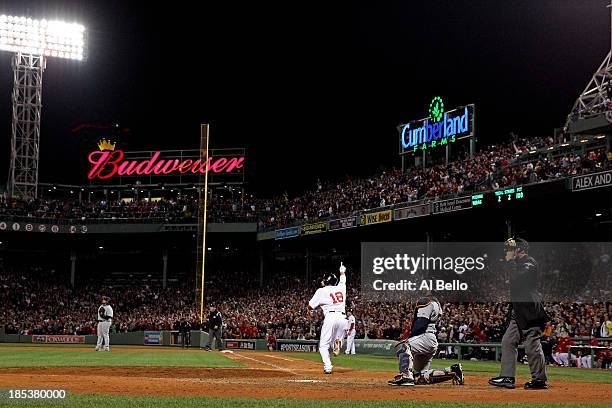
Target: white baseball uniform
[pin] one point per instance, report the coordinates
(105, 315)
(332, 301)
(350, 335)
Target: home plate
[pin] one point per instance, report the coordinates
(227, 352)
(305, 381)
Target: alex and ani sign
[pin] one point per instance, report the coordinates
(439, 129)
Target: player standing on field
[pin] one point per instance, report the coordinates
(105, 319)
(350, 334)
(331, 297)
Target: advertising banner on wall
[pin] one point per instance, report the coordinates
(287, 233)
(316, 228)
(240, 344)
(153, 338)
(454, 204)
(343, 223)
(591, 181)
(411, 212)
(376, 218)
(305, 346)
(58, 339)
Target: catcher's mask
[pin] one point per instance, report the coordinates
(516, 245)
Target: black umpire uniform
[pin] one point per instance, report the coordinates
(185, 330)
(215, 328)
(527, 319)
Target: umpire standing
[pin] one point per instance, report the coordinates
(185, 330)
(527, 318)
(214, 328)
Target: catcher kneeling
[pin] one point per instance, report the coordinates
(415, 352)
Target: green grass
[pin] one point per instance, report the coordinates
(80, 400)
(478, 368)
(15, 357)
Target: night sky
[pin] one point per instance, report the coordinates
(312, 90)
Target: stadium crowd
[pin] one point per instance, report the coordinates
(492, 168)
(177, 209)
(33, 302)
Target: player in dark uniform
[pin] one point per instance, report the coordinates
(418, 349)
(527, 319)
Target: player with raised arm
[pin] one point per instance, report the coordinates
(331, 298)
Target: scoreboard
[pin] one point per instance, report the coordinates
(509, 194)
(498, 197)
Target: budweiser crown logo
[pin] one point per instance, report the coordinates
(106, 145)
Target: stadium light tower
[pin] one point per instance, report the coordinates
(32, 41)
(595, 102)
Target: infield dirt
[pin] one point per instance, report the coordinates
(281, 375)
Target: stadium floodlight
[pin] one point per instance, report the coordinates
(596, 99)
(32, 42)
(42, 37)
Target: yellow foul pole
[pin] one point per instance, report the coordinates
(204, 134)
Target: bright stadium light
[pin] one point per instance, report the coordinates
(42, 37)
(32, 42)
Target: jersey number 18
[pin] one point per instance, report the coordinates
(337, 297)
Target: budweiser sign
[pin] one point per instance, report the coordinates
(107, 164)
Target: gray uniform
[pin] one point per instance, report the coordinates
(423, 346)
(533, 351)
(416, 353)
(527, 319)
(105, 319)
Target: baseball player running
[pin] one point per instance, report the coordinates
(331, 297)
(350, 334)
(105, 319)
(418, 349)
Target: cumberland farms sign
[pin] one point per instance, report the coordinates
(441, 128)
(108, 162)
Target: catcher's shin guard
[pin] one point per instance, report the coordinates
(406, 362)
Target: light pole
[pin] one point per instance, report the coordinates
(32, 41)
(594, 101)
